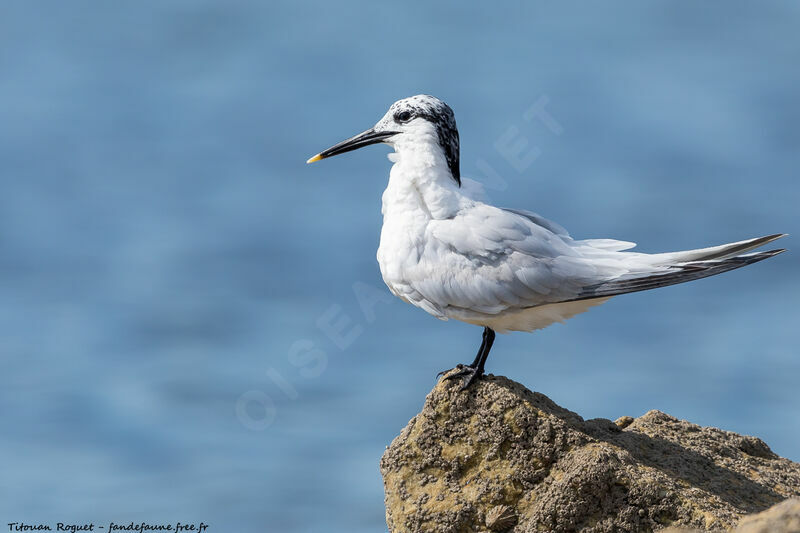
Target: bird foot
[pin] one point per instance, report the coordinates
(469, 374)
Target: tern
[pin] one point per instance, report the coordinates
(454, 256)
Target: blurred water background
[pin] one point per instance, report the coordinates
(167, 259)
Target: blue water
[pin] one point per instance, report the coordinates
(168, 263)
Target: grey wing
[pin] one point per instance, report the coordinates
(500, 259)
(540, 221)
(675, 274)
(489, 259)
(639, 272)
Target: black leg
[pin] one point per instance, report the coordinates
(472, 372)
(479, 355)
(488, 341)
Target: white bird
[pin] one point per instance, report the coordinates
(454, 256)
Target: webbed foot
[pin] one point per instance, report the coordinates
(469, 375)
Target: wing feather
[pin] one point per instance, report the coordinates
(490, 260)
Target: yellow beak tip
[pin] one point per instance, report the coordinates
(314, 159)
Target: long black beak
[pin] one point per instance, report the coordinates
(362, 139)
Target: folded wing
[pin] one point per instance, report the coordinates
(499, 260)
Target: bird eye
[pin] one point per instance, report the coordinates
(403, 116)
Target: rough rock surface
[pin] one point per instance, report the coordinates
(499, 457)
(780, 518)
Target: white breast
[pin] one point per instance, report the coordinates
(420, 190)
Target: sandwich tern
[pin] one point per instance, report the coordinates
(447, 252)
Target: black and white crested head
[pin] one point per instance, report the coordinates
(407, 113)
(420, 125)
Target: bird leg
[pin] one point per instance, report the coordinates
(473, 371)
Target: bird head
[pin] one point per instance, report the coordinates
(410, 123)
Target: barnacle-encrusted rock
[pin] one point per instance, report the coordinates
(783, 517)
(498, 448)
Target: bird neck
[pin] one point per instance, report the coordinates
(420, 181)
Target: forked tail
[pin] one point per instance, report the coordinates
(680, 267)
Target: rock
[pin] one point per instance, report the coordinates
(500, 456)
(781, 518)
(624, 421)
